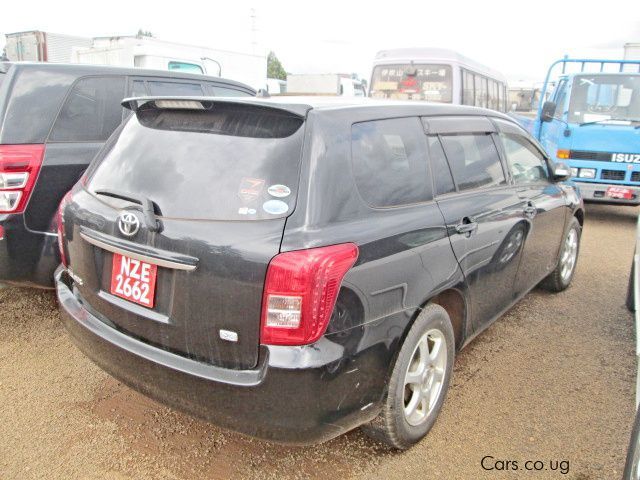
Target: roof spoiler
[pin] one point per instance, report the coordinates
(208, 103)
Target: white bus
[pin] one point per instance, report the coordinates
(436, 75)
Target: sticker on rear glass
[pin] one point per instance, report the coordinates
(279, 191)
(275, 207)
(250, 188)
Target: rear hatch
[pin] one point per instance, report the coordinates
(210, 190)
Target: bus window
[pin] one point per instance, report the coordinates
(492, 96)
(481, 91)
(429, 82)
(468, 96)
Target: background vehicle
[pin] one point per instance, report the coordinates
(632, 464)
(332, 84)
(53, 120)
(327, 278)
(37, 46)
(437, 75)
(592, 121)
(148, 52)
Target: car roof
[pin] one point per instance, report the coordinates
(85, 69)
(302, 105)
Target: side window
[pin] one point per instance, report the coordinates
(160, 88)
(390, 162)
(526, 163)
(474, 160)
(138, 89)
(559, 99)
(91, 112)
(439, 167)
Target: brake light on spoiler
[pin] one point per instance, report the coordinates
(300, 293)
(19, 168)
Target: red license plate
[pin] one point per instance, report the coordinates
(133, 280)
(619, 192)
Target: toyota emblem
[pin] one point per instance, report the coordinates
(128, 224)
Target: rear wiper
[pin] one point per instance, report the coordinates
(146, 206)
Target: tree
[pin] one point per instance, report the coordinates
(144, 33)
(275, 68)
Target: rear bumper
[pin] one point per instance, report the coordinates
(596, 192)
(295, 395)
(26, 257)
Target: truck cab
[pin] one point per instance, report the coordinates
(591, 122)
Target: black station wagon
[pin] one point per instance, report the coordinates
(294, 268)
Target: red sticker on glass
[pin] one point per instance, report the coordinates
(250, 188)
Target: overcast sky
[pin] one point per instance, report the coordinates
(519, 39)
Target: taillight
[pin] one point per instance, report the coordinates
(19, 168)
(60, 228)
(300, 292)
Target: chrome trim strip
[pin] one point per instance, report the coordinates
(138, 256)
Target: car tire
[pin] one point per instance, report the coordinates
(631, 303)
(421, 357)
(562, 275)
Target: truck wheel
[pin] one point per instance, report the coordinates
(418, 383)
(561, 277)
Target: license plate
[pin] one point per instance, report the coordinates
(133, 280)
(620, 193)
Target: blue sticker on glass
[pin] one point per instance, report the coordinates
(275, 207)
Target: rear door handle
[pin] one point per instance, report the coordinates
(530, 210)
(467, 227)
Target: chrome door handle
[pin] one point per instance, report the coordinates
(466, 227)
(530, 210)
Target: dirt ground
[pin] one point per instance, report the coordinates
(552, 381)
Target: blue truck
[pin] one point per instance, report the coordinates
(591, 122)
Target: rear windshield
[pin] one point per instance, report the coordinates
(228, 163)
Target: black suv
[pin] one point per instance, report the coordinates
(53, 120)
(293, 269)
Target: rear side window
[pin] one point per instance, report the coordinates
(158, 88)
(91, 111)
(526, 163)
(474, 160)
(228, 163)
(439, 167)
(389, 162)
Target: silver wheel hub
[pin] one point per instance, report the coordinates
(424, 377)
(569, 255)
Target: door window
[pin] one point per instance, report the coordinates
(439, 167)
(91, 112)
(389, 162)
(474, 160)
(525, 161)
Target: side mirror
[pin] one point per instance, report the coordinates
(561, 172)
(548, 110)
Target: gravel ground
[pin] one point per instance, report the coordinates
(551, 381)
